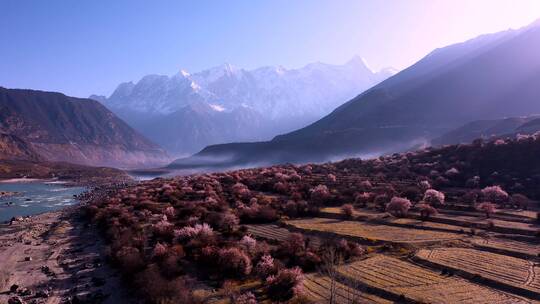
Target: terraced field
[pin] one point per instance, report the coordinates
(523, 248)
(504, 269)
(421, 284)
(275, 233)
(318, 288)
(373, 231)
(469, 220)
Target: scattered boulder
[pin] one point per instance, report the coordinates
(13, 288)
(47, 271)
(16, 300)
(43, 294)
(28, 259)
(24, 292)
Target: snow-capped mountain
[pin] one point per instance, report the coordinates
(280, 99)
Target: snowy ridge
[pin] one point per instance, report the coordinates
(313, 90)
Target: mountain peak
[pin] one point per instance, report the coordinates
(358, 61)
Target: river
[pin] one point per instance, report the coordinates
(34, 197)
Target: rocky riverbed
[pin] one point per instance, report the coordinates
(55, 258)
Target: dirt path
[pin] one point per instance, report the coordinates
(54, 258)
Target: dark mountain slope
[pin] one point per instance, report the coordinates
(487, 129)
(62, 128)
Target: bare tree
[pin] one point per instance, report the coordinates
(349, 293)
(330, 260)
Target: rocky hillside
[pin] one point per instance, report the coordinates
(62, 128)
(14, 148)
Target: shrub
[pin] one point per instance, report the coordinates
(347, 210)
(365, 185)
(248, 243)
(291, 209)
(487, 208)
(129, 259)
(285, 285)
(451, 172)
(495, 194)
(294, 244)
(265, 267)
(361, 199)
(308, 260)
(245, 298)
(381, 200)
(169, 212)
(347, 249)
(234, 262)
(201, 235)
(434, 197)
(295, 177)
(281, 187)
(519, 201)
(471, 197)
(332, 178)
(159, 251)
(473, 182)
(257, 213)
(163, 228)
(320, 194)
(224, 221)
(426, 210)
(398, 206)
(157, 289)
(241, 190)
(424, 185)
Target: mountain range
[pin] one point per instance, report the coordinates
(186, 112)
(48, 126)
(489, 77)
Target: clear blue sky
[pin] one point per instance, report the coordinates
(83, 47)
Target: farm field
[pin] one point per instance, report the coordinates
(531, 249)
(372, 231)
(504, 269)
(467, 220)
(318, 288)
(275, 233)
(421, 284)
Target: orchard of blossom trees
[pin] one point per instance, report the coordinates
(167, 234)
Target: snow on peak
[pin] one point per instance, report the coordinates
(358, 61)
(217, 107)
(195, 86)
(184, 73)
(313, 90)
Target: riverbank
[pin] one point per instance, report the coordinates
(78, 175)
(55, 257)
